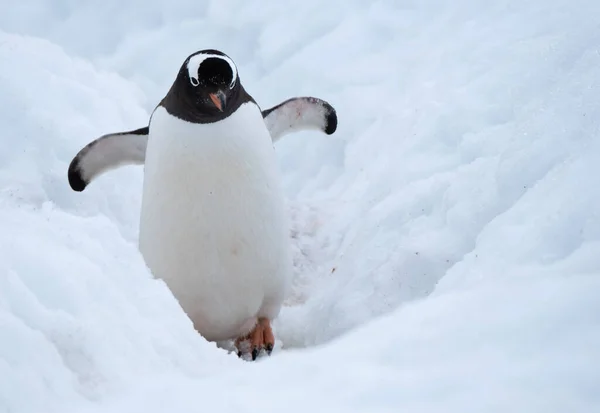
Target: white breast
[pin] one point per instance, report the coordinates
(213, 222)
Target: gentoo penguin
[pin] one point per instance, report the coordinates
(213, 222)
(114, 150)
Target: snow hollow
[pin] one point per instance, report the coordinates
(446, 239)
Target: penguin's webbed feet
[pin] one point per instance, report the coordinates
(261, 337)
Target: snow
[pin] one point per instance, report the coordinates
(445, 238)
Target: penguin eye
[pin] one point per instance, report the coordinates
(195, 82)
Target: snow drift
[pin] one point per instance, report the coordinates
(445, 238)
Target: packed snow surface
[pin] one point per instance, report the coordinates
(446, 238)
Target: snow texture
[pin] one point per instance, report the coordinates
(446, 238)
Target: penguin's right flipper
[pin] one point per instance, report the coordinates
(300, 113)
(105, 153)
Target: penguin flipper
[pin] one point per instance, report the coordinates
(114, 150)
(300, 113)
(107, 152)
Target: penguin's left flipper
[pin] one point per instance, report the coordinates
(300, 113)
(105, 153)
(129, 148)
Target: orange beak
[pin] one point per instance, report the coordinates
(218, 99)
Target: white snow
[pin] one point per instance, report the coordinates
(446, 239)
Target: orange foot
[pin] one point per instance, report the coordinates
(260, 337)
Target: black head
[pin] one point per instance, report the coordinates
(207, 88)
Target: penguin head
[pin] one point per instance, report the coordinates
(212, 80)
(207, 88)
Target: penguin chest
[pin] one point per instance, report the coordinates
(213, 223)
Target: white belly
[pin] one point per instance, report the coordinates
(213, 223)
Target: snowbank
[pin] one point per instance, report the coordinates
(80, 315)
(445, 238)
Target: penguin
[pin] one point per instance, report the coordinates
(213, 222)
(115, 150)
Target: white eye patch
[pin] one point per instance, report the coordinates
(194, 63)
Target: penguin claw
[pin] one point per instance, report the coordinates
(261, 337)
